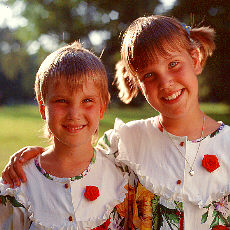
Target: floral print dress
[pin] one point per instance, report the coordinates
(161, 193)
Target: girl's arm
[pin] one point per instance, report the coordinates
(13, 173)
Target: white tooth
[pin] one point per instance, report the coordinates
(173, 96)
(74, 129)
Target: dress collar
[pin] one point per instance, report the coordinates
(54, 178)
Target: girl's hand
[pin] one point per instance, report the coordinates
(13, 172)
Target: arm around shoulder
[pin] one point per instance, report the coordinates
(13, 172)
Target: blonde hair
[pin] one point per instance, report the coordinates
(147, 38)
(75, 65)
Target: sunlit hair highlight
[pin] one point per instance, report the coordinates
(73, 66)
(147, 38)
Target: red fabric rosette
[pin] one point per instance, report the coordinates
(91, 193)
(210, 162)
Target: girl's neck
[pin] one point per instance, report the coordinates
(190, 125)
(67, 162)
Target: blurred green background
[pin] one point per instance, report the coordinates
(29, 30)
(21, 125)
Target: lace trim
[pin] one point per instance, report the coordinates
(168, 194)
(92, 222)
(89, 224)
(221, 127)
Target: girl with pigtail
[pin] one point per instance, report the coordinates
(180, 156)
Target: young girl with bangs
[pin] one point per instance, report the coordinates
(66, 187)
(182, 155)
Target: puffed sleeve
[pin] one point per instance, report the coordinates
(12, 213)
(108, 144)
(11, 217)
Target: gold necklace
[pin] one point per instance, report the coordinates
(191, 171)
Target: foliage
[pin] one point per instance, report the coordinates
(215, 14)
(16, 68)
(63, 22)
(52, 23)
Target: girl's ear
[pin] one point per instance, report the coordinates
(196, 61)
(41, 109)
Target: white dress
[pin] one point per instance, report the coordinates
(181, 201)
(47, 202)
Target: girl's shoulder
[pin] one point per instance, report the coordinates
(14, 196)
(222, 133)
(17, 196)
(143, 123)
(6, 189)
(136, 127)
(130, 133)
(224, 128)
(110, 169)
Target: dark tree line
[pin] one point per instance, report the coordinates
(66, 21)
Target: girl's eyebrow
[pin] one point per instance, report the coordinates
(172, 56)
(91, 95)
(57, 96)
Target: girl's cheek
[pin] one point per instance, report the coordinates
(147, 87)
(93, 110)
(56, 110)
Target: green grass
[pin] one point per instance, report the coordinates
(21, 125)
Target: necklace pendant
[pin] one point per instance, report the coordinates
(191, 172)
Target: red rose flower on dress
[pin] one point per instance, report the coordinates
(177, 213)
(91, 193)
(210, 162)
(103, 226)
(182, 222)
(220, 227)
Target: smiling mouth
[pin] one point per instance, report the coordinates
(72, 129)
(173, 96)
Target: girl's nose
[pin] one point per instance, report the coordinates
(166, 82)
(74, 112)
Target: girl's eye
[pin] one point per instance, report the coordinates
(87, 100)
(61, 101)
(148, 75)
(173, 64)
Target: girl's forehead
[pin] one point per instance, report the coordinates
(167, 49)
(169, 54)
(160, 58)
(69, 88)
(146, 54)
